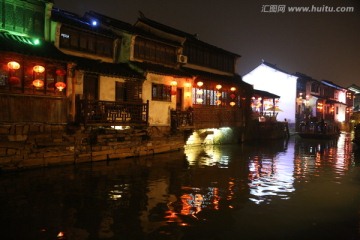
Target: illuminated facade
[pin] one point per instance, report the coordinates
(268, 77)
(189, 84)
(303, 98)
(323, 100)
(33, 73)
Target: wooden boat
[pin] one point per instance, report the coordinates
(319, 135)
(319, 130)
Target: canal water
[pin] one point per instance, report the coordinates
(295, 189)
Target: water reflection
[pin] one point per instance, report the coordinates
(207, 192)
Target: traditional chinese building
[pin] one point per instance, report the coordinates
(268, 77)
(302, 98)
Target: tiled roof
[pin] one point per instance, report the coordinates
(188, 36)
(330, 101)
(24, 45)
(331, 84)
(265, 94)
(108, 69)
(354, 88)
(165, 28)
(113, 23)
(106, 20)
(74, 20)
(274, 67)
(160, 69)
(213, 77)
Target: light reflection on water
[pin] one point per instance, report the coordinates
(275, 189)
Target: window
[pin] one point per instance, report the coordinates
(314, 88)
(209, 57)
(86, 42)
(209, 97)
(22, 80)
(23, 17)
(161, 92)
(120, 91)
(154, 51)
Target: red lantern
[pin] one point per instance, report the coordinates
(38, 69)
(14, 80)
(60, 72)
(38, 83)
(60, 86)
(13, 65)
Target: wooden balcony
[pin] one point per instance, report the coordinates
(181, 120)
(113, 113)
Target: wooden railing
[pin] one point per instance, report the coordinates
(33, 108)
(113, 113)
(181, 119)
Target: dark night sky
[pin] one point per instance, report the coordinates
(322, 45)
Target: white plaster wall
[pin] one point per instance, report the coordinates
(159, 111)
(107, 88)
(340, 117)
(284, 85)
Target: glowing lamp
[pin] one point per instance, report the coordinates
(187, 84)
(232, 104)
(218, 87)
(14, 80)
(199, 100)
(36, 41)
(173, 83)
(218, 102)
(60, 235)
(60, 72)
(38, 69)
(13, 65)
(233, 89)
(200, 92)
(60, 86)
(200, 84)
(38, 83)
(218, 94)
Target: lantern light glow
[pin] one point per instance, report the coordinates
(13, 65)
(38, 83)
(60, 86)
(38, 69)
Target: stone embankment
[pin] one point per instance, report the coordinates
(24, 146)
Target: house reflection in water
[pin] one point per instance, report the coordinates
(271, 175)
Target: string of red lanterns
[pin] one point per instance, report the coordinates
(38, 70)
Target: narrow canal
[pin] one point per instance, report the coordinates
(296, 189)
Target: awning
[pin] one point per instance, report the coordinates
(107, 69)
(264, 94)
(25, 45)
(160, 69)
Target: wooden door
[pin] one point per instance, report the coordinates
(91, 87)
